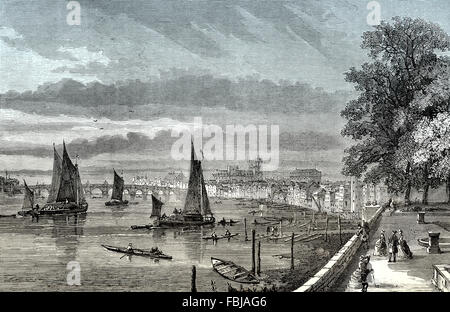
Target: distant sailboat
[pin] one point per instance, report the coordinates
(197, 209)
(66, 194)
(117, 193)
(156, 214)
(28, 201)
(156, 207)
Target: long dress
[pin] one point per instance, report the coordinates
(380, 247)
(405, 248)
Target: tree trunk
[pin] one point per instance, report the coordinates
(408, 186)
(426, 187)
(425, 193)
(448, 189)
(408, 194)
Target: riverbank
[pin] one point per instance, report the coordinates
(311, 250)
(309, 258)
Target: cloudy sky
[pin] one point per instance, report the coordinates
(142, 68)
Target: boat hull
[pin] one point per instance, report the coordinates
(137, 252)
(220, 237)
(233, 272)
(8, 216)
(171, 223)
(116, 203)
(62, 208)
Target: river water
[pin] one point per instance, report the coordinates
(34, 255)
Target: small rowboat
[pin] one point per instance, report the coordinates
(220, 237)
(233, 272)
(140, 227)
(137, 252)
(8, 216)
(223, 222)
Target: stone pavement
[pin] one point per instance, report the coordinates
(405, 275)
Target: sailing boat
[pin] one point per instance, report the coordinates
(156, 213)
(117, 193)
(28, 201)
(197, 210)
(66, 194)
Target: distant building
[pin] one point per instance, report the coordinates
(306, 175)
(174, 177)
(235, 174)
(8, 184)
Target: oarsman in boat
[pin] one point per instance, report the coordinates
(130, 247)
(155, 250)
(214, 235)
(227, 233)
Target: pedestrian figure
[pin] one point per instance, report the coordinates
(393, 247)
(381, 246)
(404, 246)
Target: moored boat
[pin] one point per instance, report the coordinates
(138, 252)
(233, 272)
(117, 193)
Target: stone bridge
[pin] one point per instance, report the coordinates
(165, 193)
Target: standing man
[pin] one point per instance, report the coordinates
(393, 247)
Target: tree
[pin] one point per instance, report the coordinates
(381, 120)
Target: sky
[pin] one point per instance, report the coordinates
(230, 62)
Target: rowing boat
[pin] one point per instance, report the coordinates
(223, 222)
(233, 272)
(8, 216)
(140, 227)
(137, 252)
(220, 237)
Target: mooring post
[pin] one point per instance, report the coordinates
(339, 227)
(259, 258)
(194, 273)
(253, 252)
(281, 231)
(326, 229)
(245, 229)
(292, 251)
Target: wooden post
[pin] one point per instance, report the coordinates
(245, 229)
(253, 252)
(292, 251)
(259, 258)
(281, 232)
(194, 273)
(339, 227)
(314, 218)
(326, 229)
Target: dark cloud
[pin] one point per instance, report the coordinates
(132, 142)
(248, 94)
(162, 143)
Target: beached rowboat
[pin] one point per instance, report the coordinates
(233, 272)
